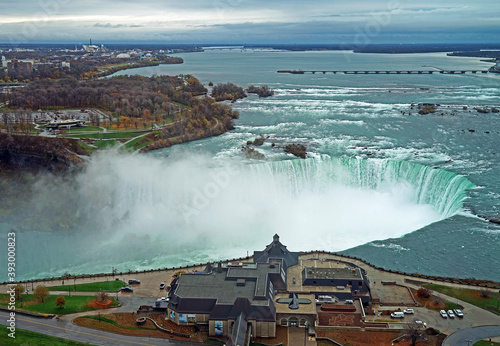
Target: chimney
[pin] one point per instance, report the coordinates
(219, 267)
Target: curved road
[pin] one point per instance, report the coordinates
(68, 330)
(467, 337)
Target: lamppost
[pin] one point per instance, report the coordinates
(305, 334)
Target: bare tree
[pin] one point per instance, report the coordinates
(101, 297)
(484, 293)
(415, 332)
(436, 300)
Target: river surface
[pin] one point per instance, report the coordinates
(401, 191)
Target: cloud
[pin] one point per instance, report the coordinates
(243, 20)
(115, 26)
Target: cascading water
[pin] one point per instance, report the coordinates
(443, 190)
(192, 196)
(142, 211)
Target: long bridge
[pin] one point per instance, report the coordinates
(383, 71)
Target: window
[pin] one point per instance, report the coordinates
(303, 322)
(284, 322)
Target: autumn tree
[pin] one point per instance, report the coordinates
(126, 122)
(424, 292)
(60, 301)
(41, 292)
(18, 290)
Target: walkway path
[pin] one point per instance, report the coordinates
(467, 337)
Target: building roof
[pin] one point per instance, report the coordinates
(226, 294)
(283, 307)
(332, 273)
(239, 331)
(276, 250)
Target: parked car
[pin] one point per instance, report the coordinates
(127, 289)
(459, 313)
(134, 282)
(397, 314)
(421, 324)
(409, 311)
(162, 285)
(451, 314)
(443, 314)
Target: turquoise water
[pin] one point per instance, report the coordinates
(401, 191)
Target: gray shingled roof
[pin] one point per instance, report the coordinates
(276, 250)
(239, 331)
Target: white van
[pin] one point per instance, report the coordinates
(398, 314)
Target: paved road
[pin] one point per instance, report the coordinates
(68, 330)
(467, 337)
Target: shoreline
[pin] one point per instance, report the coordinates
(462, 282)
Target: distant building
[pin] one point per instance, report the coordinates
(90, 48)
(59, 124)
(123, 56)
(18, 68)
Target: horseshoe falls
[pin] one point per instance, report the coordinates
(401, 190)
(443, 190)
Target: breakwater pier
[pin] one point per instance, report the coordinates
(383, 71)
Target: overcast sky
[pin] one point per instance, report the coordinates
(250, 21)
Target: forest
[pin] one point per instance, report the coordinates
(129, 101)
(132, 96)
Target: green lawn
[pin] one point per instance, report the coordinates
(107, 135)
(90, 287)
(29, 338)
(469, 296)
(106, 144)
(84, 128)
(88, 147)
(486, 343)
(73, 304)
(137, 143)
(110, 321)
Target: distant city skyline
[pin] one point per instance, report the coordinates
(244, 21)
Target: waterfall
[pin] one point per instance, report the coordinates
(443, 190)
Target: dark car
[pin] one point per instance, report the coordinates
(134, 282)
(127, 289)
